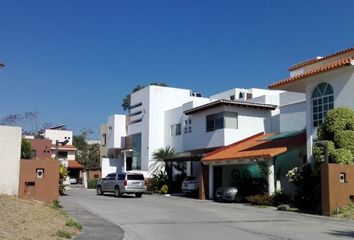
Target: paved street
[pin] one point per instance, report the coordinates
(165, 218)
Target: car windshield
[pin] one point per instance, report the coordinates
(190, 178)
(135, 177)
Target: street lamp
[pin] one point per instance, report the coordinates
(324, 145)
(63, 143)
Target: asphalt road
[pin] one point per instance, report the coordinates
(167, 218)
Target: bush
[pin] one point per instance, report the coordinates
(164, 189)
(260, 199)
(344, 138)
(158, 180)
(72, 223)
(63, 234)
(339, 119)
(343, 156)
(279, 198)
(92, 183)
(63, 173)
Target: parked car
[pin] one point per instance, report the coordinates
(122, 183)
(73, 180)
(229, 194)
(190, 185)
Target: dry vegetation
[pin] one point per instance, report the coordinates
(344, 212)
(27, 220)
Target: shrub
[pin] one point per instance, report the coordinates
(92, 183)
(343, 156)
(260, 199)
(158, 180)
(279, 198)
(339, 119)
(63, 234)
(344, 138)
(164, 189)
(72, 223)
(63, 173)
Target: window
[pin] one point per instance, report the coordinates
(232, 97)
(136, 158)
(176, 129)
(249, 96)
(322, 102)
(221, 120)
(187, 125)
(104, 139)
(62, 154)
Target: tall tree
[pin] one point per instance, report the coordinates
(26, 149)
(87, 154)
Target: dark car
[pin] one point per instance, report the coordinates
(227, 193)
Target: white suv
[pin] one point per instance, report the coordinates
(120, 183)
(190, 184)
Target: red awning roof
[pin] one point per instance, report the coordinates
(258, 146)
(75, 164)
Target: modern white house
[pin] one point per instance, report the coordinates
(191, 124)
(327, 82)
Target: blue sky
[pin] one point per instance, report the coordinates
(73, 61)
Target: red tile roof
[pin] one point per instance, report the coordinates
(257, 146)
(329, 67)
(75, 164)
(317, 59)
(237, 103)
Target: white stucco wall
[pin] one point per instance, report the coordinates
(250, 121)
(116, 131)
(342, 82)
(10, 152)
(293, 117)
(60, 135)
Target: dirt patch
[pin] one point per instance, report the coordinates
(27, 220)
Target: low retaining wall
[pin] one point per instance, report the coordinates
(337, 186)
(39, 180)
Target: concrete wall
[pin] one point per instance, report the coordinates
(336, 193)
(45, 188)
(42, 148)
(10, 152)
(250, 121)
(292, 117)
(60, 135)
(116, 131)
(111, 165)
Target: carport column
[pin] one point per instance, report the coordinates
(271, 181)
(211, 181)
(124, 161)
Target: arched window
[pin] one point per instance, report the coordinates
(322, 102)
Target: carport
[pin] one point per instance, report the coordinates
(269, 148)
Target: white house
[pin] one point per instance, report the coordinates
(327, 82)
(191, 124)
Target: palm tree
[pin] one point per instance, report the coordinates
(159, 156)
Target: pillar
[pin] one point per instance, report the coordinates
(211, 181)
(271, 179)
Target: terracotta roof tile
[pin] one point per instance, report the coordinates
(329, 67)
(317, 59)
(257, 146)
(75, 164)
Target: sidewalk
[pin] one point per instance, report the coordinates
(94, 227)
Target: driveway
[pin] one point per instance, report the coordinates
(165, 218)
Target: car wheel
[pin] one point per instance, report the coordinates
(117, 192)
(99, 190)
(237, 198)
(138, 195)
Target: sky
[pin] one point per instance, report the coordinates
(72, 62)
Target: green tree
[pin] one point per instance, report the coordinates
(26, 149)
(87, 154)
(158, 165)
(338, 132)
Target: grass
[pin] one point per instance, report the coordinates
(72, 223)
(344, 212)
(30, 220)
